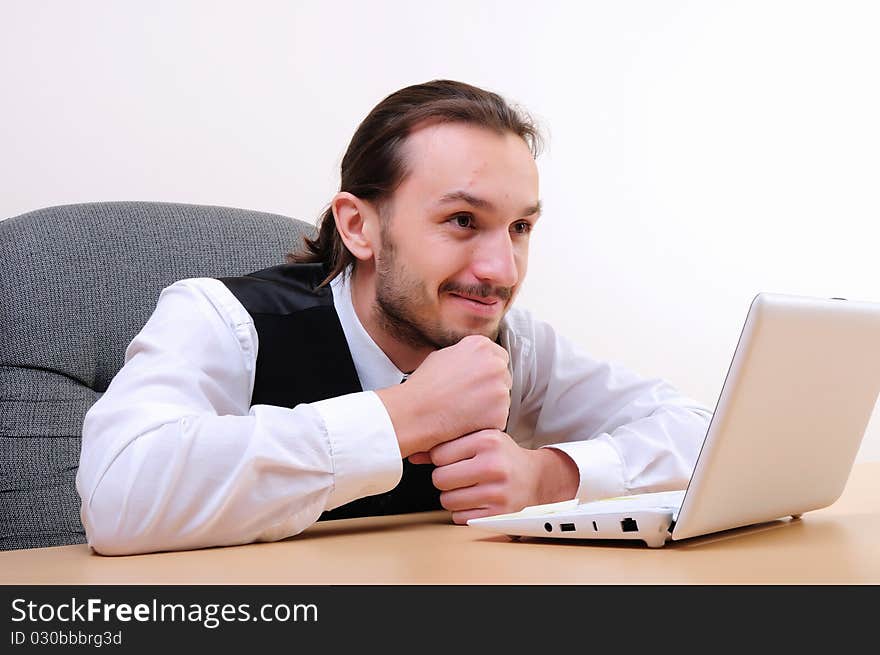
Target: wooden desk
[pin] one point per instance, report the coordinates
(839, 544)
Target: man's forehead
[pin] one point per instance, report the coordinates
(455, 162)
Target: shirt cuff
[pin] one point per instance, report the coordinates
(599, 466)
(366, 455)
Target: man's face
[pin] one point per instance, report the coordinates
(455, 235)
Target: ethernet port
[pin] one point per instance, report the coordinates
(629, 525)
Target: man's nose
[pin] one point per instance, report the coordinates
(495, 260)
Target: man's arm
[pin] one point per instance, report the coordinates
(627, 434)
(605, 431)
(173, 456)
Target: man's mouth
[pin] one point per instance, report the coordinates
(477, 304)
(479, 299)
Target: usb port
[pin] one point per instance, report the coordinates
(566, 527)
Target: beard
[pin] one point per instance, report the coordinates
(402, 300)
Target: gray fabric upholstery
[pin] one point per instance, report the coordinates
(77, 282)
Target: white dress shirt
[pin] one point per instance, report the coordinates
(175, 457)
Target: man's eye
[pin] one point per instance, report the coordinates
(523, 227)
(464, 220)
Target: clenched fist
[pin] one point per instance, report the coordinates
(457, 390)
(487, 472)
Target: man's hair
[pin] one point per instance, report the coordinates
(374, 166)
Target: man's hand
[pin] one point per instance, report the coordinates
(457, 390)
(487, 472)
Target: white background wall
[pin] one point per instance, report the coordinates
(699, 152)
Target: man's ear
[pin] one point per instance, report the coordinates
(358, 224)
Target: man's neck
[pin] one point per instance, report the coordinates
(363, 298)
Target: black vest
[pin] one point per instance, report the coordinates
(303, 357)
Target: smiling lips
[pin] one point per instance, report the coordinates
(477, 304)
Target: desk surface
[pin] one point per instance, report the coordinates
(839, 544)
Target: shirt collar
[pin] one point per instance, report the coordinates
(373, 367)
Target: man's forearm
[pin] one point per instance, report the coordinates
(204, 480)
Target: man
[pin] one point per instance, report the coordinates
(249, 408)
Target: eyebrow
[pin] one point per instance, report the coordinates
(482, 203)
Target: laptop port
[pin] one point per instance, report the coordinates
(566, 527)
(629, 525)
(548, 527)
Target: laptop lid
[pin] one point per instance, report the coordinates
(798, 396)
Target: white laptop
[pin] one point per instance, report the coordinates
(798, 396)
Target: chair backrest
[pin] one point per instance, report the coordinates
(77, 282)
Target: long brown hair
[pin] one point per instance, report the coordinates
(374, 166)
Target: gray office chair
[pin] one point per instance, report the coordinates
(77, 282)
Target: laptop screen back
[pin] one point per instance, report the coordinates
(787, 427)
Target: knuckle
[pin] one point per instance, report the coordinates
(484, 439)
(495, 468)
(493, 438)
(496, 497)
